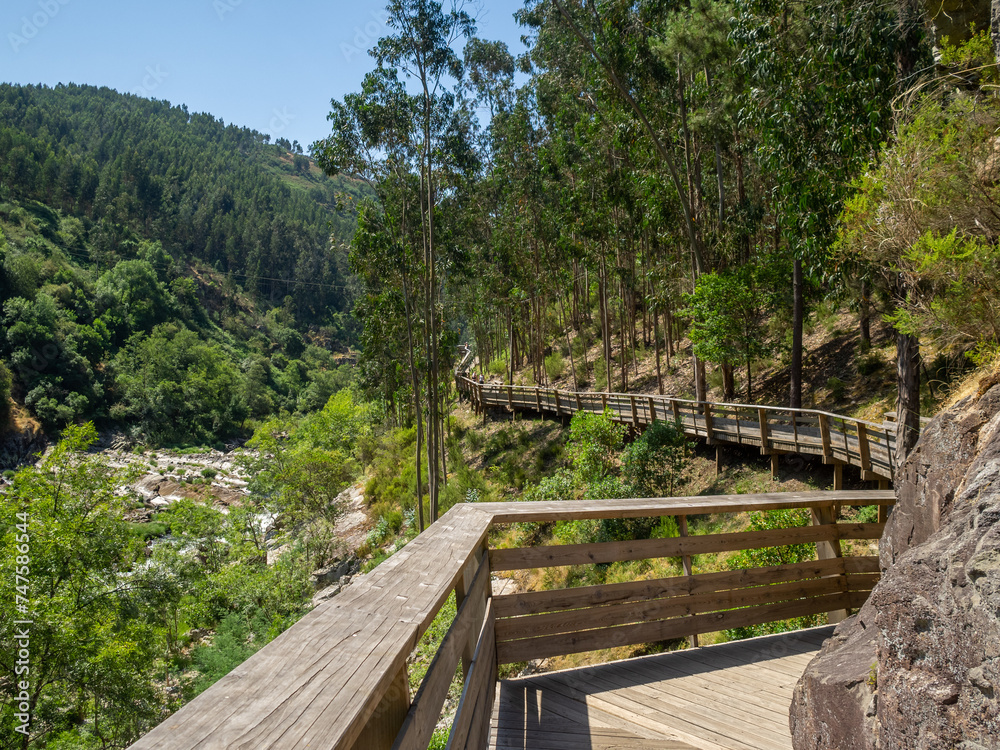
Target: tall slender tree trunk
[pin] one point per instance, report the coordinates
(569, 344)
(864, 316)
(908, 389)
(798, 311)
(656, 340)
(415, 380)
(728, 383)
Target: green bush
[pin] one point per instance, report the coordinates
(869, 365)
(554, 365)
(150, 530)
(837, 388)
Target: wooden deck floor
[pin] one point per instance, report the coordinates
(733, 695)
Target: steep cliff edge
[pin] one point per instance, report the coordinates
(919, 665)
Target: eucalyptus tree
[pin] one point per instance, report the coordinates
(373, 138)
(819, 79)
(421, 48)
(610, 45)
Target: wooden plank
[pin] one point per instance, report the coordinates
(864, 450)
(645, 713)
(426, 709)
(536, 602)
(682, 528)
(824, 432)
(327, 675)
(729, 720)
(572, 510)
(661, 630)
(469, 585)
(659, 609)
(525, 713)
(523, 558)
(475, 683)
(380, 731)
(479, 732)
(693, 673)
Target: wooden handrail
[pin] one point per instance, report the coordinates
(337, 678)
(838, 439)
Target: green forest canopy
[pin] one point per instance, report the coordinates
(130, 229)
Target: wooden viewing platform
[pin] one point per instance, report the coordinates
(732, 696)
(337, 679)
(841, 441)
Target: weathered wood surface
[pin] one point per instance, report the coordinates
(543, 646)
(320, 682)
(733, 696)
(549, 556)
(868, 445)
(423, 715)
(336, 679)
(571, 510)
(554, 600)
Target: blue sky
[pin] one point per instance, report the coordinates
(269, 65)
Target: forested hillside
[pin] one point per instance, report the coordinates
(687, 181)
(160, 268)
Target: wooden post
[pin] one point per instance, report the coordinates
(510, 397)
(824, 433)
(381, 730)
(718, 459)
(677, 412)
(635, 416)
(604, 402)
(708, 422)
(838, 477)
(827, 550)
(558, 408)
(775, 458)
(538, 401)
(764, 434)
(682, 527)
(864, 450)
(652, 410)
(579, 403)
(461, 592)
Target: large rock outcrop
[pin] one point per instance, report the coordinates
(919, 665)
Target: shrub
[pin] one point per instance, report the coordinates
(869, 365)
(554, 365)
(837, 388)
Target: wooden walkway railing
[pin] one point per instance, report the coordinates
(337, 678)
(775, 430)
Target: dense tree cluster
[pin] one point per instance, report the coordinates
(667, 171)
(162, 269)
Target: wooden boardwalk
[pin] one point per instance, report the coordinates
(733, 696)
(841, 441)
(338, 678)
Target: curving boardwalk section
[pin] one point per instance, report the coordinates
(775, 430)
